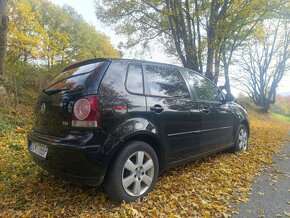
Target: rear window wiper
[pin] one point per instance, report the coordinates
(54, 91)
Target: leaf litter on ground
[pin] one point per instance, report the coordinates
(203, 188)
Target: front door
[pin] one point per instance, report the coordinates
(168, 106)
(217, 120)
(216, 125)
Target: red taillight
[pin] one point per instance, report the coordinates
(86, 112)
(82, 109)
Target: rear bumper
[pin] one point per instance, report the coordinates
(69, 160)
(91, 181)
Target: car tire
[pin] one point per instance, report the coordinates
(241, 141)
(133, 173)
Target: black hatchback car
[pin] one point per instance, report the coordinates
(121, 122)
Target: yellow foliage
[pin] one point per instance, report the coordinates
(42, 32)
(26, 35)
(204, 188)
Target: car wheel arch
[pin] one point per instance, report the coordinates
(148, 138)
(246, 124)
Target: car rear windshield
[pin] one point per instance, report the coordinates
(74, 79)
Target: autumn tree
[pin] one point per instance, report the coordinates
(26, 35)
(42, 33)
(85, 40)
(198, 32)
(57, 40)
(264, 61)
(3, 33)
(241, 26)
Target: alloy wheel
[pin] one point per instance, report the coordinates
(243, 139)
(138, 173)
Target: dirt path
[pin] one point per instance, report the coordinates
(271, 190)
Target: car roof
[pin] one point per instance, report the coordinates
(95, 60)
(144, 61)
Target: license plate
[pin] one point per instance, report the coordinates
(39, 149)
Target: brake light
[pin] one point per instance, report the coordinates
(86, 112)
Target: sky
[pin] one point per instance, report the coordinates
(87, 9)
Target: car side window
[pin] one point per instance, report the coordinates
(204, 89)
(165, 82)
(134, 82)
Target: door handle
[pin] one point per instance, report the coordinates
(205, 110)
(157, 108)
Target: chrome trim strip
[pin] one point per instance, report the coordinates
(183, 133)
(198, 131)
(226, 127)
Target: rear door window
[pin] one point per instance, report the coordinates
(134, 82)
(165, 82)
(74, 79)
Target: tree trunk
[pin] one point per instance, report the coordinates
(211, 36)
(199, 49)
(266, 106)
(210, 57)
(227, 80)
(25, 59)
(3, 40)
(226, 71)
(48, 62)
(217, 61)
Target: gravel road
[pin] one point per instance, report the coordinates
(271, 190)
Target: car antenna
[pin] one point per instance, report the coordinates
(88, 47)
(90, 50)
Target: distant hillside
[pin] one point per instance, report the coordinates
(284, 93)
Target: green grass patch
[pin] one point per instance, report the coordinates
(7, 124)
(281, 117)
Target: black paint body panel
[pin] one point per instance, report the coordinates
(181, 132)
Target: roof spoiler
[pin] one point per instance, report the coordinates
(82, 63)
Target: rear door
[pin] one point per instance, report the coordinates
(168, 106)
(217, 118)
(122, 86)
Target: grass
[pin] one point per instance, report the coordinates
(281, 117)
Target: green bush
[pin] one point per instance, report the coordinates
(26, 80)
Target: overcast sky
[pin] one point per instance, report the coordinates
(87, 9)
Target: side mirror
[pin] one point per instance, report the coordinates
(229, 97)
